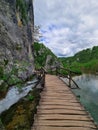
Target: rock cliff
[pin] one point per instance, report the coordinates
(16, 27)
(44, 57)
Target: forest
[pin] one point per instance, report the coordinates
(85, 61)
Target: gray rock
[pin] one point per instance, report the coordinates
(16, 41)
(51, 62)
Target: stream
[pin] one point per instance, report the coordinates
(14, 95)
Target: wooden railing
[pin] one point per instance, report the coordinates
(69, 75)
(66, 74)
(57, 71)
(40, 74)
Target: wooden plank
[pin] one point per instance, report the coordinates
(60, 100)
(58, 97)
(62, 111)
(57, 93)
(64, 123)
(60, 103)
(60, 128)
(59, 107)
(63, 117)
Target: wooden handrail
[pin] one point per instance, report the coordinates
(68, 76)
(42, 71)
(40, 74)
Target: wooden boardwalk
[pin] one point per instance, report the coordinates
(59, 109)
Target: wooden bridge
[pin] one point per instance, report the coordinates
(59, 109)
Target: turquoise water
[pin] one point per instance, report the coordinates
(88, 93)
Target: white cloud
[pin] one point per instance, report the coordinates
(67, 26)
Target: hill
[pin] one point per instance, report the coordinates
(83, 61)
(44, 57)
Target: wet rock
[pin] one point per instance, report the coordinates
(1, 125)
(20, 116)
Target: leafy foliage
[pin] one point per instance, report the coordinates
(11, 77)
(1, 71)
(22, 7)
(83, 61)
(30, 97)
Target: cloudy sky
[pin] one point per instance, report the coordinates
(67, 26)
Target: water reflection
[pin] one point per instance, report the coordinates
(88, 93)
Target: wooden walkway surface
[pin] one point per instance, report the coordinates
(59, 109)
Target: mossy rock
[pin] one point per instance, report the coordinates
(20, 115)
(3, 90)
(1, 71)
(14, 80)
(21, 5)
(1, 125)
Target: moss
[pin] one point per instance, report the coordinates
(1, 71)
(1, 125)
(20, 116)
(8, 79)
(14, 80)
(18, 48)
(3, 90)
(5, 62)
(30, 97)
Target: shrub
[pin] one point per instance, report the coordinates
(22, 7)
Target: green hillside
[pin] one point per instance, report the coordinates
(83, 61)
(44, 57)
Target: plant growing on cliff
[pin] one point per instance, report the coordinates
(21, 6)
(1, 71)
(30, 97)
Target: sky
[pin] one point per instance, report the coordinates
(67, 26)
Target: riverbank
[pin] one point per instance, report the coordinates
(14, 81)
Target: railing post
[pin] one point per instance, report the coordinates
(69, 79)
(51, 71)
(56, 71)
(43, 77)
(43, 82)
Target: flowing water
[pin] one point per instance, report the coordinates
(14, 95)
(88, 93)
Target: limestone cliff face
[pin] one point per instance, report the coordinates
(16, 27)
